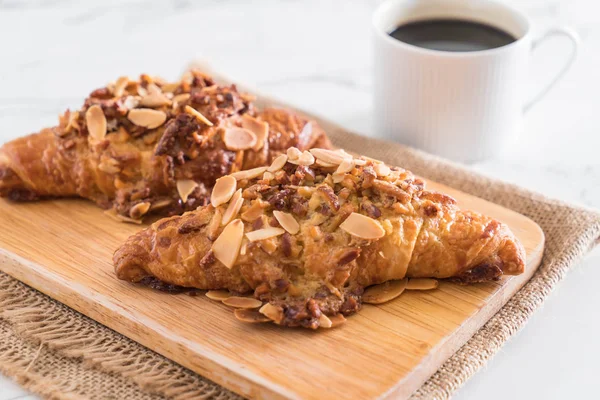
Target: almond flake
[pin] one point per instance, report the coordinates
(274, 313)
(96, 122)
(120, 86)
(155, 100)
(287, 221)
(234, 207)
(239, 139)
(382, 170)
(324, 321)
(218, 295)
(131, 102)
(195, 113)
(268, 176)
(250, 316)
(242, 302)
(249, 173)
(359, 161)
(278, 163)
(337, 178)
(324, 164)
(293, 153)
(337, 320)
(180, 98)
(382, 293)
(227, 246)
(422, 284)
(170, 87)
(160, 204)
(259, 128)
(363, 227)
(185, 187)
(304, 159)
(345, 166)
(139, 210)
(223, 190)
(152, 88)
(147, 117)
(262, 234)
(330, 156)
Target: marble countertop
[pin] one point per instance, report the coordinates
(317, 54)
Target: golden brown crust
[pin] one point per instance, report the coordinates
(132, 141)
(315, 237)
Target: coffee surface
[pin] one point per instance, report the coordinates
(452, 35)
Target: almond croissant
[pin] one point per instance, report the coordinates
(309, 233)
(143, 146)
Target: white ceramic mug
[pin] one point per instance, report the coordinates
(465, 106)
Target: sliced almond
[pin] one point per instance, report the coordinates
(287, 221)
(382, 170)
(337, 320)
(337, 178)
(259, 128)
(274, 313)
(223, 190)
(131, 102)
(139, 210)
(345, 166)
(235, 204)
(379, 294)
(120, 86)
(330, 156)
(195, 113)
(305, 158)
(185, 187)
(152, 88)
(180, 98)
(227, 246)
(422, 284)
(160, 204)
(324, 321)
(155, 100)
(268, 176)
(239, 139)
(218, 295)
(293, 153)
(250, 316)
(324, 164)
(359, 161)
(266, 233)
(278, 163)
(147, 117)
(170, 87)
(242, 302)
(363, 227)
(96, 122)
(249, 173)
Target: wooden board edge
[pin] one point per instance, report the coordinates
(447, 347)
(230, 375)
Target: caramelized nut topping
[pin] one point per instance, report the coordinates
(147, 117)
(330, 156)
(239, 139)
(325, 322)
(195, 113)
(422, 284)
(278, 163)
(227, 246)
(218, 295)
(249, 173)
(139, 210)
(96, 122)
(382, 170)
(305, 158)
(235, 204)
(185, 187)
(120, 86)
(293, 153)
(223, 190)
(382, 293)
(242, 302)
(287, 221)
(363, 227)
(262, 234)
(337, 320)
(155, 100)
(345, 166)
(250, 316)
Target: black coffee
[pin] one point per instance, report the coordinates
(452, 35)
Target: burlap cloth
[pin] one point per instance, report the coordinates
(60, 354)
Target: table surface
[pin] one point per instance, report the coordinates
(317, 55)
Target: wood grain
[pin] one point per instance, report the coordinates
(64, 249)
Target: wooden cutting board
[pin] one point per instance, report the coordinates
(64, 249)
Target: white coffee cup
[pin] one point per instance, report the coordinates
(466, 106)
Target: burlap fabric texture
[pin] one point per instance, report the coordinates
(60, 354)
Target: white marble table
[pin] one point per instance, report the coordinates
(316, 54)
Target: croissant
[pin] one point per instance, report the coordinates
(148, 146)
(309, 233)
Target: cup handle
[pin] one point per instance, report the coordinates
(554, 32)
